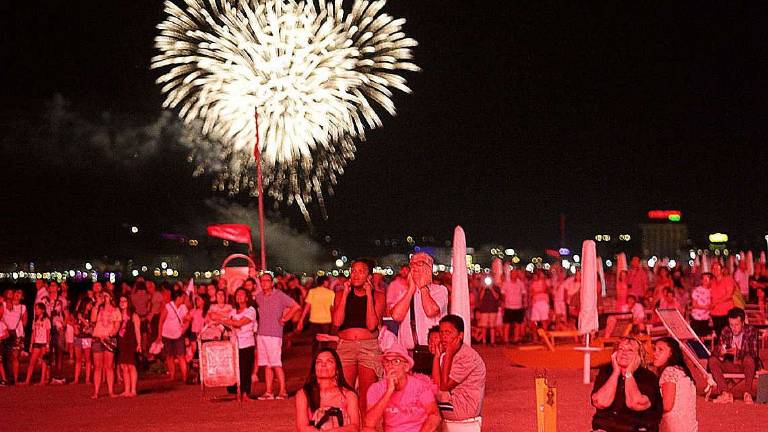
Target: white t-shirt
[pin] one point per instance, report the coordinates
(513, 291)
(439, 294)
(41, 331)
(174, 321)
(703, 296)
(244, 334)
(12, 318)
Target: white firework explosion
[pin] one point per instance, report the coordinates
(312, 70)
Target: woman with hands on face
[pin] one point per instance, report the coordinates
(626, 394)
(357, 313)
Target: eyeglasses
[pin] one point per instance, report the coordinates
(395, 361)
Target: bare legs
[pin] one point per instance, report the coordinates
(37, 354)
(15, 364)
(269, 373)
(130, 377)
(79, 353)
(104, 366)
(170, 363)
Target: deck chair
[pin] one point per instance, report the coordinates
(693, 348)
(616, 327)
(548, 337)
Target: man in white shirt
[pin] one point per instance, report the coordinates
(513, 290)
(174, 321)
(417, 308)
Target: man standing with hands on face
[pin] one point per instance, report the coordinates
(626, 394)
(459, 372)
(418, 308)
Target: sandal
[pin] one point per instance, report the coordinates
(281, 396)
(267, 396)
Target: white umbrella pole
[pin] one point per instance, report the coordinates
(587, 361)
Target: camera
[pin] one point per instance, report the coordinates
(330, 413)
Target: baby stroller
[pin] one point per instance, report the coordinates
(217, 363)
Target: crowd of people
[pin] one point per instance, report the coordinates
(380, 356)
(387, 352)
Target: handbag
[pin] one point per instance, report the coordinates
(109, 344)
(156, 348)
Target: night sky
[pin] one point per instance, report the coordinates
(522, 112)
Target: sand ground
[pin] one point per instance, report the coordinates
(509, 405)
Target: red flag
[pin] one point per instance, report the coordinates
(239, 233)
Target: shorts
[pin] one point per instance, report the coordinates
(540, 311)
(174, 347)
(270, 349)
(98, 347)
(364, 353)
(13, 343)
(514, 316)
(83, 342)
(40, 345)
(486, 319)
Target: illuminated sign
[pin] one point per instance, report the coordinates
(718, 238)
(564, 251)
(670, 215)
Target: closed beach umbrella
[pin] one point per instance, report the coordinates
(459, 283)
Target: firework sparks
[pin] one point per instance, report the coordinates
(314, 72)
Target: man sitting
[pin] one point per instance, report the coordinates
(403, 401)
(626, 394)
(736, 352)
(459, 372)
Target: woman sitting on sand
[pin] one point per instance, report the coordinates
(326, 402)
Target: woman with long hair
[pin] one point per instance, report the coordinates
(15, 320)
(83, 339)
(678, 390)
(41, 340)
(106, 319)
(128, 344)
(242, 320)
(326, 402)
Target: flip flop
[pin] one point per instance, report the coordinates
(267, 396)
(281, 396)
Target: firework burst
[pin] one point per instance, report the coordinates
(314, 72)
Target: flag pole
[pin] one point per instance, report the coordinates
(257, 155)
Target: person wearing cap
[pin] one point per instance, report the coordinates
(404, 402)
(417, 308)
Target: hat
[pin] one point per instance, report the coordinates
(422, 256)
(397, 350)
